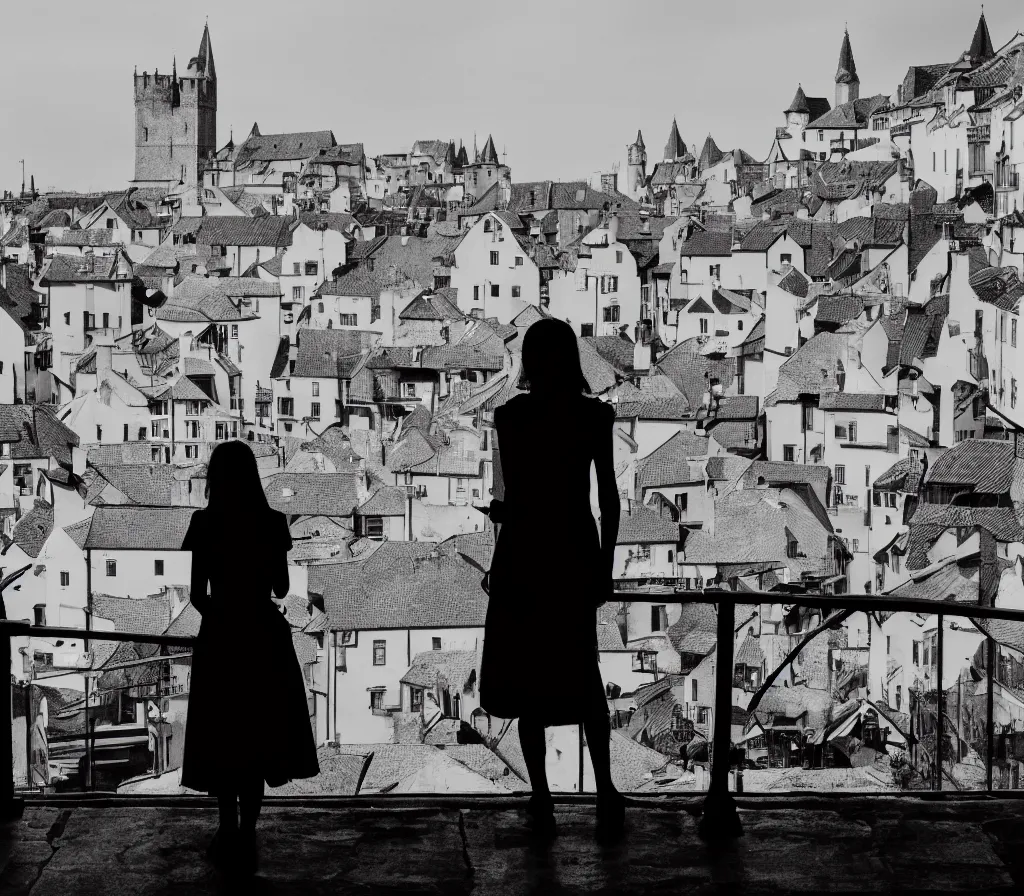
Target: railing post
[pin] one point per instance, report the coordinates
(720, 819)
(989, 709)
(940, 715)
(10, 807)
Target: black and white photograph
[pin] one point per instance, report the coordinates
(546, 448)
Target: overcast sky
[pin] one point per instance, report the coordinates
(562, 86)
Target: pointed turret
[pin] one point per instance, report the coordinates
(462, 159)
(709, 155)
(175, 90)
(201, 65)
(449, 156)
(847, 82)
(639, 141)
(490, 154)
(981, 47)
(799, 103)
(675, 148)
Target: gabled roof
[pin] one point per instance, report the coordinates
(132, 527)
(313, 494)
(814, 106)
(703, 243)
(668, 464)
(283, 147)
(982, 465)
(402, 585)
(643, 525)
(332, 354)
(272, 231)
(854, 114)
(32, 530)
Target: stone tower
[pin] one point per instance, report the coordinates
(636, 167)
(847, 82)
(176, 121)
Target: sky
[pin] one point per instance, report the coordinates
(563, 87)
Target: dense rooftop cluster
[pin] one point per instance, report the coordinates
(813, 358)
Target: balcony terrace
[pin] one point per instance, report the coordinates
(803, 820)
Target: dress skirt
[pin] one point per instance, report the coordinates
(248, 714)
(540, 656)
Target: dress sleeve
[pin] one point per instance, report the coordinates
(200, 578)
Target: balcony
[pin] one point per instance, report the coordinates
(900, 129)
(980, 134)
(386, 834)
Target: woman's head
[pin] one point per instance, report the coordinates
(551, 358)
(233, 479)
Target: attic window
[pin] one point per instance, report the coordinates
(581, 195)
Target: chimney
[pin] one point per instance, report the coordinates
(613, 228)
(104, 360)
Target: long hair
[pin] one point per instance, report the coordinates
(551, 359)
(233, 480)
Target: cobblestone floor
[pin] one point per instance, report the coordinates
(848, 845)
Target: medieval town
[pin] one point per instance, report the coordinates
(811, 347)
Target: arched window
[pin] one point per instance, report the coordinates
(487, 225)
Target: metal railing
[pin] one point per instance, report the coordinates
(719, 816)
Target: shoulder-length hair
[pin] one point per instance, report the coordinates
(551, 358)
(233, 479)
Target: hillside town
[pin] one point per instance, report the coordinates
(811, 345)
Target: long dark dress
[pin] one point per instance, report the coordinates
(547, 575)
(247, 713)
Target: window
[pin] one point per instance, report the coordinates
(487, 225)
(377, 700)
(618, 258)
(435, 643)
(375, 528)
(494, 258)
(658, 618)
(821, 136)
(348, 320)
(65, 579)
(158, 567)
(314, 410)
(415, 699)
(519, 261)
(495, 290)
(856, 545)
(789, 453)
(516, 292)
(234, 331)
(916, 653)
(286, 407)
(715, 272)
(895, 562)
(786, 258)
(191, 452)
(111, 568)
(703, 326)
(192, 408)
(311, 268)
(39, 612)
(693, 690)
(611, 314)
(125, 433)
(1013, 392)
(379, 653)
(702, 715)
(792, 547)
(298, 293)
(316, 389)
(476, 293)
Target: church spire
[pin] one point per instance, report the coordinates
(847, 82)
(981, 47)
(675, 148)
(203, 60)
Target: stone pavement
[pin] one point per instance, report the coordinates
(801, 845)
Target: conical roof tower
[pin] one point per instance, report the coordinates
(981, 47)
(490, 154)
(675, 148)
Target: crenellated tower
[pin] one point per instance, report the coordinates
(176, 121)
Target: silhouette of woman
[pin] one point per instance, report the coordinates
(550, 572)
(248, 721)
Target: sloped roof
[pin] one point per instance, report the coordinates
(32, 530)
(332, 354)
(984, 465)
(402, 585)
(668, 463)
(643, 525)
(312, 494)
(131, 527)
(283, 147)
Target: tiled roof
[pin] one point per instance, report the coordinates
(985, 465)
(148, 484)
(811, 370)
(654, 408)
(903, 476)
(852, 401)
(402, 585)
(778, 473)
(332, 354)
(388, 500)
(130, 527)
(642, 525)
(78, 532)
(283, 147)
(453, 669)
(80, 269)
(667, 464)
(144, 615)
(1000, 287)
(32, 530)
(873, 230)
(848, 115)
(692, 372)
(18, 297)
(922, 330)
(707, 244)
(272, 231)
(736, 407)
(312, 494)
(96, 238)
(839, 308)
(36, 432)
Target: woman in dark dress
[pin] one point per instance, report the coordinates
(550, 571)
(243, 652)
